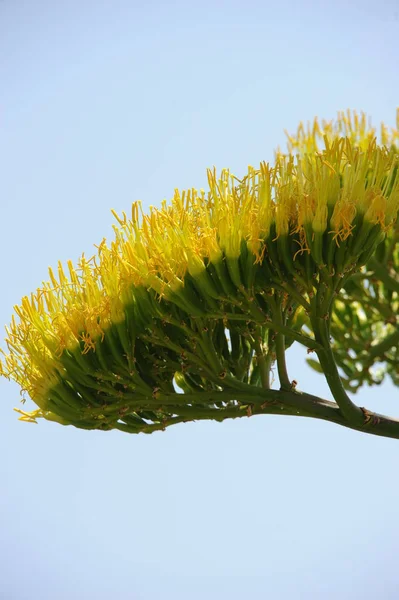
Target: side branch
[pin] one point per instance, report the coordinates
(327, 361)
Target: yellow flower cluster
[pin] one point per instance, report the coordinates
(340, 185)
(349, 125)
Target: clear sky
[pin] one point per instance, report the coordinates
(106, 102)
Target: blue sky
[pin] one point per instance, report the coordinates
(103, 103)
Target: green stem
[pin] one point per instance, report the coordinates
(372, 304)
(382, 274)
(263, 363)
(302, 339)
(163, 343)
(387, 343)
(327, 361)
(286, 287)
(210, 354)
(285, 383)
(281, 402)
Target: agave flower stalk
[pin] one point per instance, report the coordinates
(185, 313)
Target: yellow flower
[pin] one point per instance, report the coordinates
(335, 187)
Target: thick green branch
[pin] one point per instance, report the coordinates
(282, 402)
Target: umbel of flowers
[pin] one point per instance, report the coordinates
(185, 314)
